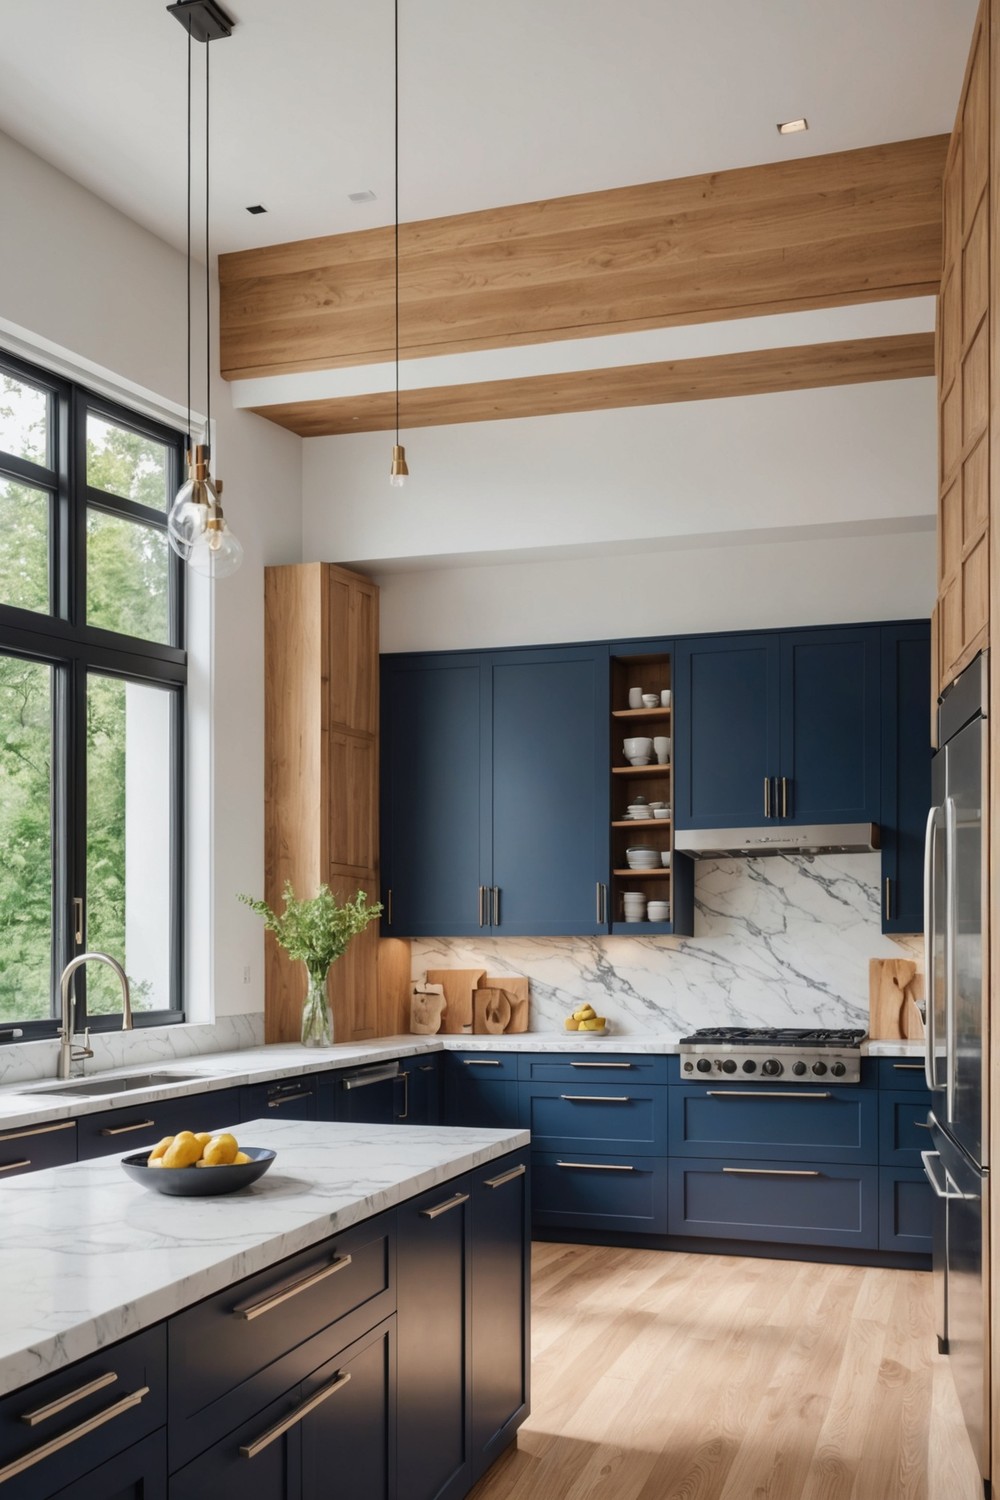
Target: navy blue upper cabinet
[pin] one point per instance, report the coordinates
(432, 857)
(726, 730)
(906, 771)
(829, 758)
(547, 758)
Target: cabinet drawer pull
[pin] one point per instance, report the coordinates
(600, 1065)
(250, 1310)
(250, 1450)
(26, 1135)
(290, 1098)
(764, 1094)
(784, 796)
(480, 1062)
(495, 1182)
(482, 902)
(363, 1080)
(12, 1166)
(427, 1068)
(443, 1208)
(921, 1125)
(767, 796)
(597, 1098)
(769, 1172)
(888, 899)
(66, 1439)
(53, 1408)
(595, 1166)
(127, 1129)
(909, 1067)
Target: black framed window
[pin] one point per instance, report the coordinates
(92, 704)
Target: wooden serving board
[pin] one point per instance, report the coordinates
(518, 993)
(458, 987)
(893, 985)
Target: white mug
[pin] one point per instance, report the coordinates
(661, 744)
(635, 697)
(665, 698)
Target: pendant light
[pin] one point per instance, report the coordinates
(398, 472)
(196, 526)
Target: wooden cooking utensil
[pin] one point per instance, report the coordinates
(458, 987)
(890, 1005)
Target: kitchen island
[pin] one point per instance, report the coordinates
(362, 1309)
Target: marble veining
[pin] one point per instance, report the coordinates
(781, 941)
(87, 1256)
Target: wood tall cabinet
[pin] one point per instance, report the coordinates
(962, 615)
(321, 781)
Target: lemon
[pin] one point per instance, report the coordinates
(158, 1150)
(183, 1151)
(584, 1013)
(221, 1151)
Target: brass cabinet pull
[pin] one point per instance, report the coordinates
(482, 902)
(600, 1065)
(444, 1208)
(481, 1062)
(66, 1439)
(908, 1067)
(764, 1094)
(597, 1098)
(595, 1166)
(53, 1408)
(769, 1172)
(496, 905)
(127, 1129)
(12, 1166)
(888, 898)
(26, 1135)
(784, 796)
(250, 1310)
(495, 1182)
(250, 1450)
(767, 796)
(289, 1098)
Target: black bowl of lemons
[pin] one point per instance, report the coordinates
(198, 1165)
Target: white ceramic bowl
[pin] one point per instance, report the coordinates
(665, 858)
(658, 911)
(665, 698)
(650, 700)
(640, 760)
(661, 812)
(637, 744)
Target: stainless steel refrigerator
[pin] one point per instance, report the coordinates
(956, 875)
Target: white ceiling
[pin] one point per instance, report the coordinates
(499, 103)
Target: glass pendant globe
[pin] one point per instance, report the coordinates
(188, 516)
(215, 552)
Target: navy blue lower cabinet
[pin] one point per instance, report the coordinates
(597, 1191)
(903, 1073)
(616, 1115)
(902, 1124)
(348, 1435)
(368, 1095)
(501, 1295)
(138, 1125)
(284, 1099)
(140, 1473)
(782, 1123)
(434, 1429)
(608, 1067)
(261, 1458)
(787, 1204)
(418, 1099)
(36, 1146)
(480, 1089)
(906, 772)
(906, 1210)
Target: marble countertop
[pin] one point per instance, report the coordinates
(219, 1070)
(87, 1256)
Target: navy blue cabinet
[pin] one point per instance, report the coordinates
(140, 1473)
(137, 1125)
(829, 752)
(480, 1089)
(350, 1431)
(585, 1116)
(419, 1090)
(599, 1192)
(501, 1307)
(906, 772)
(906, 1211)
(726, 730)
(283, 1099)
(836, 1124)
(33, 1147)
(795, 1203)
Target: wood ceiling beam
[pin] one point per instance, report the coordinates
(846, 362)
(852, 226)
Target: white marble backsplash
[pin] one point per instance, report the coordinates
(781, 941)
(24, 1062)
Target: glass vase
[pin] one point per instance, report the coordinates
(317, 1020)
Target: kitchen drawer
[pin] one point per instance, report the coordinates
(596, 1191)
(478, 1093)
(219, 1346)
(138, 1125)
(585, 1067)
(140, 1473)
(614, 1116)
(902, 1127)
(123, 1389)
(902, 1073)
(491, 1067)
(792, 1204)
(781, 1123)
(283, 1099)
(905, 1210)
(33, 1147)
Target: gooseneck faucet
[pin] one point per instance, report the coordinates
(67, 1054)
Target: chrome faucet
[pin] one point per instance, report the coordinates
(67, 1053)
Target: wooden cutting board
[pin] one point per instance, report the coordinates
(458, 987)
(892, 989)
(518, 992)
(491, 1011)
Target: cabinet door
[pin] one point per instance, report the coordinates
(830, 726)
(418, 1100)
(134, 1126)
(432, 859)
(906, 1211)
(140, 1473)
(351, 1433)
(433, 1284)
(261, 1458)
(36, 1146)
(725, 730)
(906, 772)
(501, 1285)
(547, 757)
(287, 1099)
(471, 1099)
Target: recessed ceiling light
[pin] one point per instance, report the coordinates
(365, 196)
(256, 208)
(792, 127)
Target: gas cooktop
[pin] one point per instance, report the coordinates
(777, 1036)
(765, 1053)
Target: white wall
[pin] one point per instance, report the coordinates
(79, 276)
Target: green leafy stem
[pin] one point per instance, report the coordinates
(316, 930)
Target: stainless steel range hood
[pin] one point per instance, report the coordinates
(814, 838)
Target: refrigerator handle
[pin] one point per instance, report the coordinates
(930, 838)
(951, 935)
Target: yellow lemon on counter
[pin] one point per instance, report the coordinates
(221, 1151)
(158, 1150)
(183, 1151)
(584, 1013)
(571, 1023)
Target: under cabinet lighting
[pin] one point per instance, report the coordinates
(792, 127)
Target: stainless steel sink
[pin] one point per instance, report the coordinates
(123, 1084)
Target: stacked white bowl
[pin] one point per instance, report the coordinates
(635, 906)
(642, 858)
(659, 911)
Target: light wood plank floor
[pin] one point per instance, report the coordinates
(663, 1376)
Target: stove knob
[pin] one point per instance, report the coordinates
(838, 1069)
(689, 1067)
(729, 1066)
(749, 1066)
(798, 1069)
(819, 1068)
(771, 1067)
(704, 1066)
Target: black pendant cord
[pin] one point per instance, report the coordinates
(189, 449)
(208, 265)
(395, 168)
